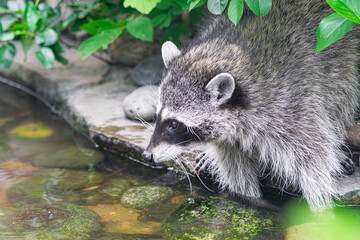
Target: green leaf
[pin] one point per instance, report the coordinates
(31, 16)
(7, 36)
(349, 9)
(16, 5)
(259, 7)
(27, 43)
(175, 31)
(235, 11)
(141, 28)
(194, 4)
(7, 54)
(46, 57)
(97, 26)
(143, 6)
(47, 37)
(7, 21)
(70, 19)
(217, 6)
(58, 51)
(102, 40)
(332, 28)
(184, 4)
(162, 20)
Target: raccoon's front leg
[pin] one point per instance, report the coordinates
(238, 173)
(203, 161)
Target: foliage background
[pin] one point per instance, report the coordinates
(37, 23)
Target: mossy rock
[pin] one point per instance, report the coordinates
(69, 157)
(217, 218)
(52, 185)
(145, 196)
(53, 222)
(352, 198)
(110, 193)
(34, 130)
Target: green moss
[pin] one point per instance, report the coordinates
(216, 218)
(51, 222)
(145, 196)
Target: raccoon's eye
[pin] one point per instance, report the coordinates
(174, 125)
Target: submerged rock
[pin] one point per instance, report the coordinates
(216, 218)
(52, 185)
(141, 103)
(34, 130)
(145, 196)
(148, 71)
(69, 157)
(49, 222)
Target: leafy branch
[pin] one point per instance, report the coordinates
(34, 23)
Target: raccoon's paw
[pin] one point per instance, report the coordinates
(348, 166)
(202, 161)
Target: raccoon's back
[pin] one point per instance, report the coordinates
(273, 58)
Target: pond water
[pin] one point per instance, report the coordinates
(45, 170)
(55, 185)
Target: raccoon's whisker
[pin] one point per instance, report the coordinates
(178, 161)
(179, 143)
(197, 175)
(194, 133)
(145, 123)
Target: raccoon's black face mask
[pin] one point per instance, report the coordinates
(170, 136)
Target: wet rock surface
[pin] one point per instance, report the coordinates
(39, 222)
(52, 185)
(141, 103)
(148, 71)
(145, 196)
(216, 218)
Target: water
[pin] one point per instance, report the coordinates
(25, 165)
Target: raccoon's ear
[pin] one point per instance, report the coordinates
(221, 88)
(169, 51)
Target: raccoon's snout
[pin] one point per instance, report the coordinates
(148, 156)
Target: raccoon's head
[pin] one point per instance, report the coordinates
(195, 106)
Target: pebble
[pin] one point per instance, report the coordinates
(148, 71)
(141, 103)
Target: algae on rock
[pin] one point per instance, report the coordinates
(216, 218)
(145, 196)
(49, 222)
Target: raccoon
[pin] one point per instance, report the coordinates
(255, 97)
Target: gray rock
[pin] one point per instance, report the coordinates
(354, 137)
(145, 196)
(128, 50)
(217, 218)
(348, 187)
(148, 71)
(141, 103)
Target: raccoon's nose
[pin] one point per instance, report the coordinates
(147, 157)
